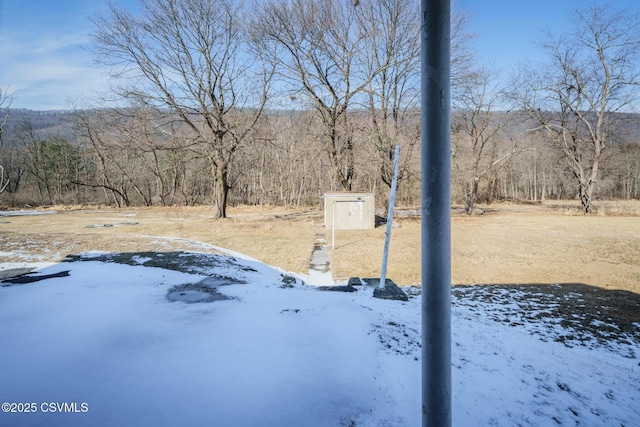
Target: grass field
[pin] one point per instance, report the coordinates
(546, 243)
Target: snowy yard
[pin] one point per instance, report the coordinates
(108, 344)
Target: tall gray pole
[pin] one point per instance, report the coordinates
(436, 213)
(392, 200)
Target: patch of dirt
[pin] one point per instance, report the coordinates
(574, 314)
(185, 262)
(17, 246)
(195, 293)
(399, 338)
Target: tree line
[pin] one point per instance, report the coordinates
(220, 102)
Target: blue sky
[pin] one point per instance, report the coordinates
(42, 55)
(43, 60)
(507, 31)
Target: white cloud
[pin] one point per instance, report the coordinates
(44, 56)
(55, 43)
(47, 71)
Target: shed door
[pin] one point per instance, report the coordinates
(349, 214)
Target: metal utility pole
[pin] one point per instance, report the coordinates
(392, 200)
(436, 213)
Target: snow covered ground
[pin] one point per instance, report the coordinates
(108, 344)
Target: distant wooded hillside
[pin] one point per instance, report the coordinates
(116, 158)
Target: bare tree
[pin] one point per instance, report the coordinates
(317, 48)
(189, 60)
(116, 155)
(392, 53)
(629, 170)
(463, 59)
(478, 137)
(51, 161)
(591, 76)
(5, 103)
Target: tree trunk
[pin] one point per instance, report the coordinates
(220, 191)
(471, 194)
(588, 185)
(585, 199)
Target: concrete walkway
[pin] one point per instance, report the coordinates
(319, 265)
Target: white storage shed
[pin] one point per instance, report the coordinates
(349, 211)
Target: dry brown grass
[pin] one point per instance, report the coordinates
(274, 236)
(359, 253)
(549, 243)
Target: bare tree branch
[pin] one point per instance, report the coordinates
(591, 75)
(190, 60)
